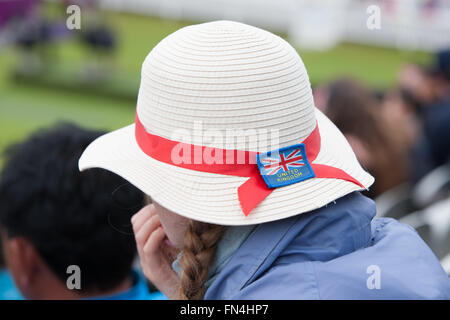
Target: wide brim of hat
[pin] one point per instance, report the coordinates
(213, 198)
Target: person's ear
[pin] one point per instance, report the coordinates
(23, 261)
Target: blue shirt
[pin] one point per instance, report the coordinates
(139, 290)
(8, 290)
(336, 252)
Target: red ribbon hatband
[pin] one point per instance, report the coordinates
(251, 192)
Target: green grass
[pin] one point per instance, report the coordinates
(24, 107)
(375, 66)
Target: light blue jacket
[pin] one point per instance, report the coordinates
(336, 252)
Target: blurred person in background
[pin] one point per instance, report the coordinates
(25, 23)
(427, 92)
(377, 143)
(98, 38)
(52, 217)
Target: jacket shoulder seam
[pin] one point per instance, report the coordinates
(316, 280)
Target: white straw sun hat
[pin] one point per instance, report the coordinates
(205, 82)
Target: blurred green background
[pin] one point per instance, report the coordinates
(27, 105)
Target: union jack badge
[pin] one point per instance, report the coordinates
(284, 166)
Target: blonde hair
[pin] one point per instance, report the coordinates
(200, 245)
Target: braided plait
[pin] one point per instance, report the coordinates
(200, 244)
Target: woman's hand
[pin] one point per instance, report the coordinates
(156, 256)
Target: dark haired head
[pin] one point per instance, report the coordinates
(355, 110)
(69, 217)
(442, 64)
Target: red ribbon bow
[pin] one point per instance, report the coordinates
(251, 192)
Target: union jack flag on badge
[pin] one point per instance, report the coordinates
(284, 166)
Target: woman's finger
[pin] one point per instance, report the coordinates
(154, 241)
(138, 216)
(145, 231)
(142, 216)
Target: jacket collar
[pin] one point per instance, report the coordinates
(320, 235)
